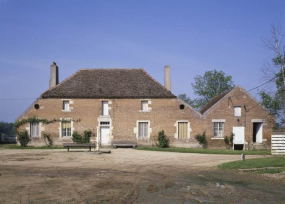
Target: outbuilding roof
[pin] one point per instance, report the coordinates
(109, 83)
(213, 101)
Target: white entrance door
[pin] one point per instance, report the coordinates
(239, 135)
(259, 133)
(105, 135)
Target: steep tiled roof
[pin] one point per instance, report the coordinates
(213, 101)
(109, 83)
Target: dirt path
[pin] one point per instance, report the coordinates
(129, 176)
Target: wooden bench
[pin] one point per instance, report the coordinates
(124, 145)
(68, 145)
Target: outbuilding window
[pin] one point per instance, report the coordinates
(218, 129)
(237, 111)
(35, 129)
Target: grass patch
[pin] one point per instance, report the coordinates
(5, 146)
(205, 151)
(278, 161)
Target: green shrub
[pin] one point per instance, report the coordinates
(48, 139)
(77, 138)
(227, 141)
(87, 136)
(163, 141)
(24, 138)
(202, 139)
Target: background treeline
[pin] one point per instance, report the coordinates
(7, 128)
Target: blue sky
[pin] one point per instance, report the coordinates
(191, 36)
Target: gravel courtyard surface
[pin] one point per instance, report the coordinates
(129, 176)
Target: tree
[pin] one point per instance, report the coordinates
(207, 87)
(273, 98)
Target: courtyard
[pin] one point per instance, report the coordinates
(130, 176)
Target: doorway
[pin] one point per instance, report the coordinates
(257, 132)
(105, 135)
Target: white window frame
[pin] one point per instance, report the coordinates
(144, 106)
(136, 130)
(70, 102)
(189, 128)
(237, 111)
(107, 108)
(60, 128)
(219, 131)
(38, 132)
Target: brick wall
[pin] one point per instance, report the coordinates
(124, 114)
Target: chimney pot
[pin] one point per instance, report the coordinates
(53, 75)
(167, 80)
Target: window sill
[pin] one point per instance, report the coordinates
(66, 137)
(66, 110)
(217, 138)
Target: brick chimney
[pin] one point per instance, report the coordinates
(167, 80)
(53, 75)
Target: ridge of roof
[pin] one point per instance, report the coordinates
(123, 83)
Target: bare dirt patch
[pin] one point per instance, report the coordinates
(129, 176)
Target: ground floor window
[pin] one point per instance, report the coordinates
(182, 130)
(66, 128)
(218, 129)
(142, 129)
(35, 129)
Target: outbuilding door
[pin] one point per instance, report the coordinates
(257, 132)
(105, 135)
(238, 136)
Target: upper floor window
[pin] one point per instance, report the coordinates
(218, 129)
(35, 129)
(237, 111)
(144, 105)
(105, 108)
(65, 106)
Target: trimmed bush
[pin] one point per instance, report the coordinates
(202, 139)
(77, 138)
(163, 141)
(24, 138)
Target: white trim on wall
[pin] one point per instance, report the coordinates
(218, 120)
(176, 125)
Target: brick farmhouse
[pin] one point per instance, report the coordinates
(128, 105)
